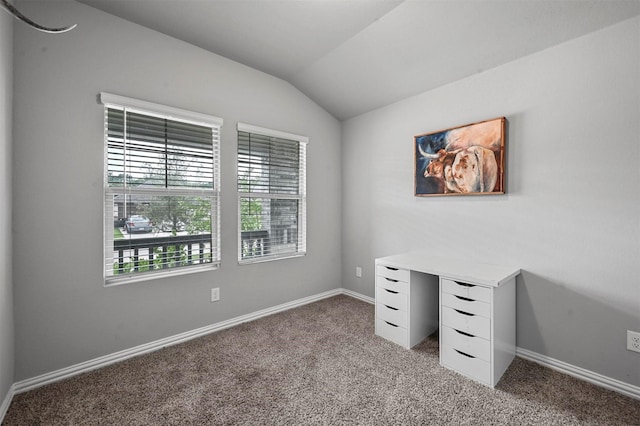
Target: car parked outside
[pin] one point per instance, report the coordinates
(167, 226)
(138, 224)
(119, 222)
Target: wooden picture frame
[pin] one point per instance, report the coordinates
(463, 160)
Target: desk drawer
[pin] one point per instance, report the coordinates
(393, 273)
(475, 346)
(392, 332)
(468, 365)
(393, 315)
(470, 291)
(392, 284)
(467, 323)
(391, 298)
(467, 305)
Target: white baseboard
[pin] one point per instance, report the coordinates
(4, 407)
(580, 373)
(64, 373)
(358, 296)
(103, 361)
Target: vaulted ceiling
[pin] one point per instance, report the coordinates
(352, 56)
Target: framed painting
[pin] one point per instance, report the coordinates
(464, 160)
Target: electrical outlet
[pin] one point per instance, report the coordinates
(215, 294)
(633, 341)
(358, 272)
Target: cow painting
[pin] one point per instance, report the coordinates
(462, 160)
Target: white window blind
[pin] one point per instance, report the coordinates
(161, 190)
(271, 194)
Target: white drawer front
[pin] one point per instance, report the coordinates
(467, 365)
(390, 298)
(470, 291)
(476, 346)
(392, 284)
(392, 332)
(466, 305)
(393, 315)
(393, 273)
(471, 324)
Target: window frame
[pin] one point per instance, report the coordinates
(179, 115)
(301, 196)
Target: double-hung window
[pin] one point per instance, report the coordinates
(271, 194)
(161, 190)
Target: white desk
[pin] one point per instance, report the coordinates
(471, 304)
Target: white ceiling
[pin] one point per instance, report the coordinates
(352, 56)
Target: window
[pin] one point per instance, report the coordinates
(271, 194)
(161, 190)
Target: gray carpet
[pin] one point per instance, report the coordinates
(318, 364)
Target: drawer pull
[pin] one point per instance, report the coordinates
(391, 269)
(391, 307)
(465, 284)
(462, 332)
(393, 325)
(462, 312)
(392, 280)
(466, 299)
(462, 353)
(391, 291)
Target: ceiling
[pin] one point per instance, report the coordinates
(352, 56)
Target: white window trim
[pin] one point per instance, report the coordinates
(145, 107)
(302, 214)
(149, 108)
(249, 128)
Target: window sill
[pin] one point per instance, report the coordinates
(263, 259)
(146, 276)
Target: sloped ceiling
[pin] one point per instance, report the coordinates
(352, 56)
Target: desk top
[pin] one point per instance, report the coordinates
(455, 269)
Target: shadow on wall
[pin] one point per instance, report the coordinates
(577, 329)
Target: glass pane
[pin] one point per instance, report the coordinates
(158, 152)
(154, 232)
(268, 164)
(268, 227)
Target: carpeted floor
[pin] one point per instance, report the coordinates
(319, 364)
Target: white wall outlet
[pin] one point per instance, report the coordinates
(633, 341)
(358, 272)
(215, 294)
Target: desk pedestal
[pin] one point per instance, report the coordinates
(476, 317)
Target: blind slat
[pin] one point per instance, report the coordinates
(156, 146)
(154, 163)
(271, 227)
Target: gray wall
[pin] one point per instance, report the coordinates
(63, 314)
(570, 218)
(6, 287)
